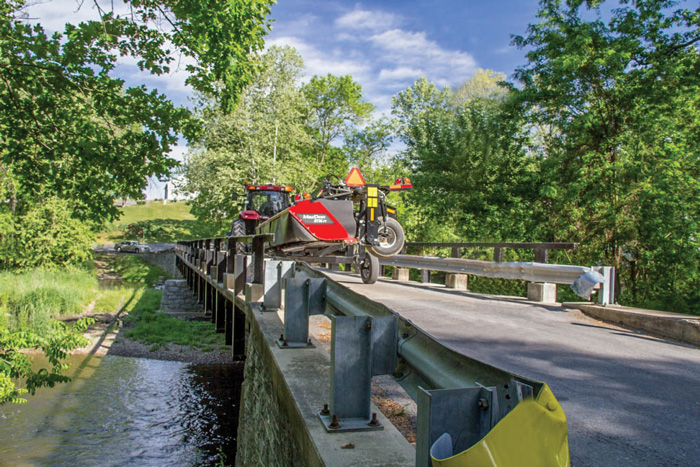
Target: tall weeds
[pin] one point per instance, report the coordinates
(31, 299)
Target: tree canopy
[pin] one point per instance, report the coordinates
(69, 128)
(616, 101)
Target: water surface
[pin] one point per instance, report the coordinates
(127, 411)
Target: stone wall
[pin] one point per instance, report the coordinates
(164, 260)
(178, 298)
(283, 391)
(264, 427)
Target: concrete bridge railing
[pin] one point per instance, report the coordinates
(466, 408)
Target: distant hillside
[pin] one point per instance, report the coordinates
(160, 223)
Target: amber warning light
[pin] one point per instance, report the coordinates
(355, 178)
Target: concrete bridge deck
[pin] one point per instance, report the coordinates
(630, 399)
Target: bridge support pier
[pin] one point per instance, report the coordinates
(456, 281)
(543, 292)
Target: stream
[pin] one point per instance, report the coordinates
(127, 411)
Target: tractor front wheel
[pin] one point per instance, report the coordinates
(391, 239)
(369, 269)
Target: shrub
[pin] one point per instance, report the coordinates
(45, 236)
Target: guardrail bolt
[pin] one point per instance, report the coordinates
(483, 404)
(374, 421)
(325, 410)
(334, 422)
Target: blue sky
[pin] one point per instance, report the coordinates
(386, 45)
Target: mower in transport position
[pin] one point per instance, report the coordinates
(348, 221)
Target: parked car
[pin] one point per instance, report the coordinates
(132, 245)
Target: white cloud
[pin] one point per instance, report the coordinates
(414, 50)
(400, 74)
(318, 62)
(367, 20)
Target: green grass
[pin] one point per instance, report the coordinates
(31, 299)
(152, 327)
(161, 223)
(131, 268)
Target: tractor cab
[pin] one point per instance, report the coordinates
(261, 203)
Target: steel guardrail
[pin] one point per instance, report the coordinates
(534, 272)
(423, 366)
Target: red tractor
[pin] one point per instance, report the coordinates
(261, 203)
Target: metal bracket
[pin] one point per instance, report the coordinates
(275, 273)
(466, 415)
(606, 293)
(361, 347)
(303, 298)
(240, 272)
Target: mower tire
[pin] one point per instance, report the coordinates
(393, 240)
(369, 269)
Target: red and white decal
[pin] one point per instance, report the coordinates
(319, 221)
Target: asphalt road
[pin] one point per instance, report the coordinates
(630, 399)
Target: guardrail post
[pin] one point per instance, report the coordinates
(254, 291)
(425, 276)
(303, 297)
(240, 273)
(275, 273)
(498, 255)
(258, 260)
(229, 277)
(361, 347)
(210, 258)
(465, 414)
(606, 292)
(541, 255)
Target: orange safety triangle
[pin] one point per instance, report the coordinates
(355, 178)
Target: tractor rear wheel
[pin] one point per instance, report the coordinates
(238, 230)
(369, 269)
(391, 239)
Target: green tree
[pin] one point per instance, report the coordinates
(336, 104)
(47, 236)
(618, 98)
(367, 148)
(68, 128)
(484, 84)
(471, 178)
(263, 140)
